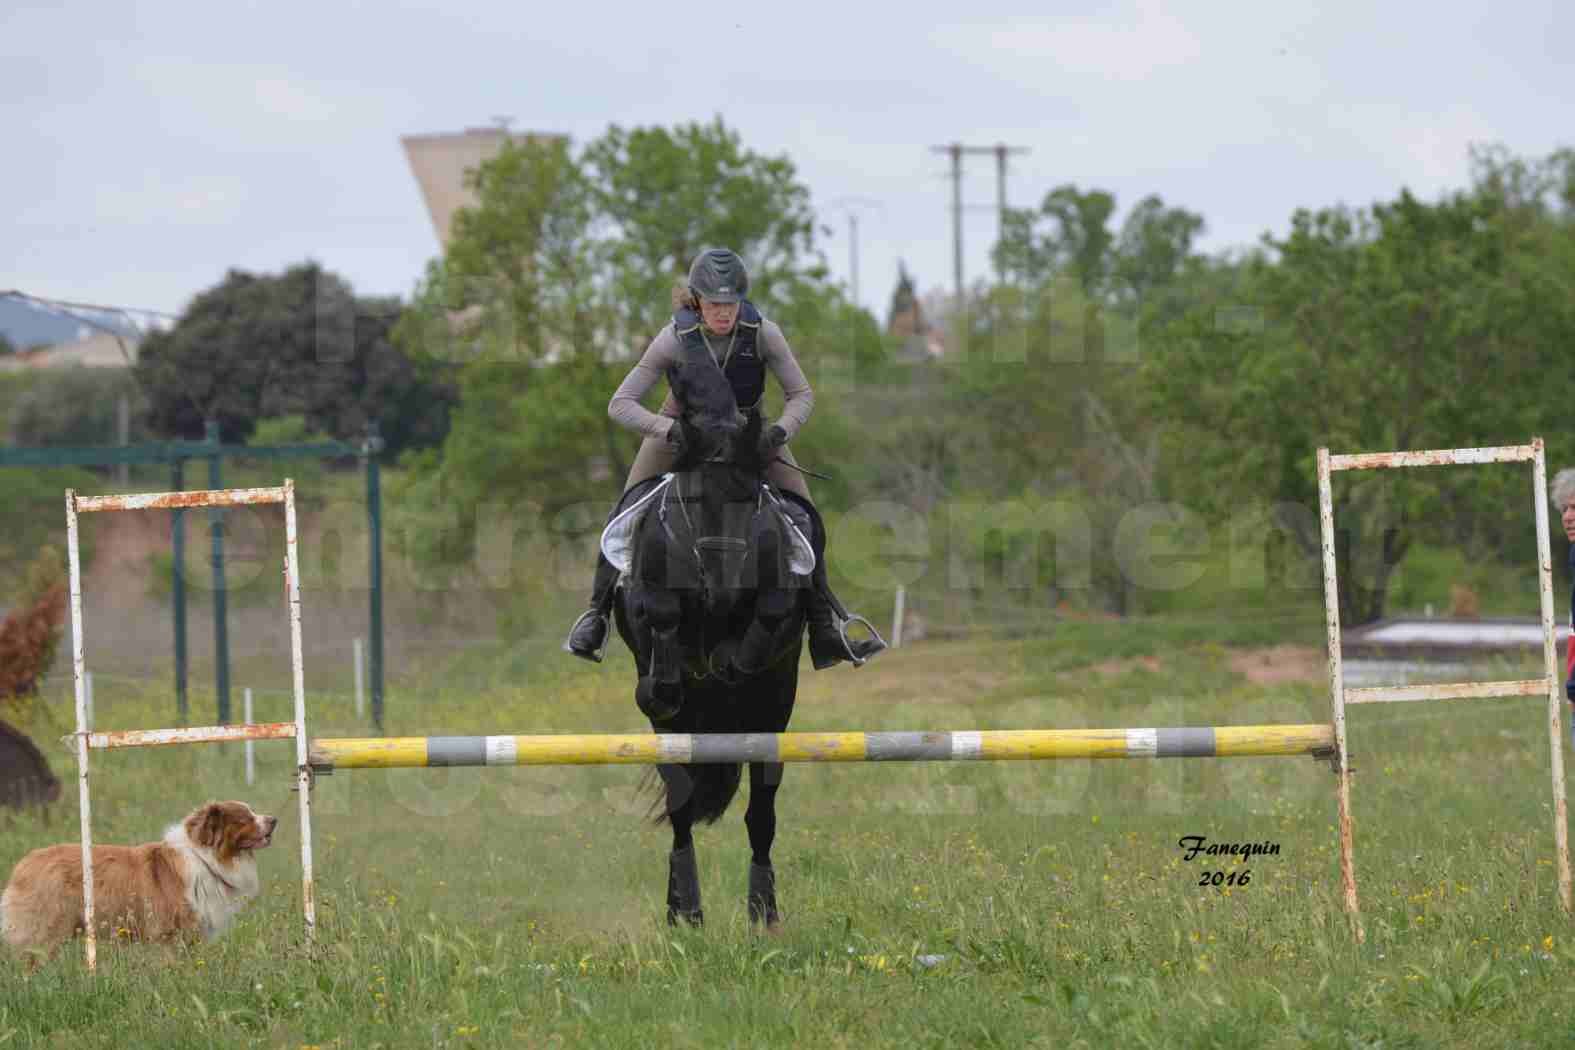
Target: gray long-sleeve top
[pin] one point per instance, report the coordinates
(626, 410)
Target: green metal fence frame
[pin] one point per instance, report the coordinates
(176, 454)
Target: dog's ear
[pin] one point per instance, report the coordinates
(206, 826)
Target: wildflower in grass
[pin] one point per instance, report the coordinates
(1547, 943)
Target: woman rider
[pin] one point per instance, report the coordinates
(714, 316)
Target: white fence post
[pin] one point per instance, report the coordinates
(88, 676)
(251, 748)
(896, 616)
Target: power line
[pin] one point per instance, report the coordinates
(956, 150)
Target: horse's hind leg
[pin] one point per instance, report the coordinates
(683, 874)
(761, 821)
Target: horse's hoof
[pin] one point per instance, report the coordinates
(695, 918)
(658, 702)
(683, 888)
(763, 913)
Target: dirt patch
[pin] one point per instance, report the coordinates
(1146, 663)
(1276, 664)
(1280, 663)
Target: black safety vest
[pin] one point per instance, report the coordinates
(743, 369)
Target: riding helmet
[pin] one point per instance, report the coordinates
(718, 275)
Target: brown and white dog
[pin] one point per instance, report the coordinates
(191, 885)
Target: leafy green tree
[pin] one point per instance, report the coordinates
(1153, 248)
(1405, 326)
(297, 343)
(6, 346)
(1069, 236)
(1077, 242)
(664, 195)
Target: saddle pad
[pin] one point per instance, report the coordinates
(618, 536)
(801, 555)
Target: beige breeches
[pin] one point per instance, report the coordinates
(656, 457)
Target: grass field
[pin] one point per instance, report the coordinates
(927, 905)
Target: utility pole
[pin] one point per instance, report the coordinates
(853, 254)
(851, 206)
(956, 150)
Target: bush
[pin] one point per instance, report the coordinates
(73, 406)
(32, 514)
(31, 634)
(293, 430)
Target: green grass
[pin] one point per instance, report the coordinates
(981, 904)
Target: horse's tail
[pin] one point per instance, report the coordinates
(711, 790)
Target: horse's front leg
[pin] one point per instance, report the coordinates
(773, 603)
(659, 692)
(683, 874)
(659, 609)
(761, 821)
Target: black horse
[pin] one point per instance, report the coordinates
(712, 606)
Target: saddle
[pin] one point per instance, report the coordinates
(731, 548)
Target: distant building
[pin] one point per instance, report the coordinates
(440, 162)
(45, 335)
(97, 350)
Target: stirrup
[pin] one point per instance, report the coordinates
(874, 646)
(594, 656)
(876, 640)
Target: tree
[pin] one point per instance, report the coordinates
(298, 343)
(1406, 326)
(6, 346)
(664, 195)
(1153, 248)
(1069, 236)
(1077, 243)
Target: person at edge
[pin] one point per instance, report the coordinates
(1562, 494)
(711, 315)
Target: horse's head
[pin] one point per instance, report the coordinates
(712, 424)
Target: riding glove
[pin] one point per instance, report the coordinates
(771, 439)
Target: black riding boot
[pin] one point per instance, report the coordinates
(825, 615)
(588, 637)
(828, 622)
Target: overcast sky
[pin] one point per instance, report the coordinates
(148, 147)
